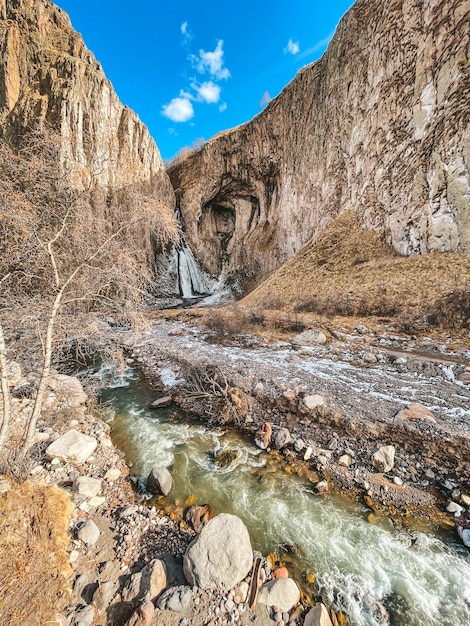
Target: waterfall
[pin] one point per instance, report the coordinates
(180, 273)
(190, 278)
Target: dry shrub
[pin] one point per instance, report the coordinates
(451, 310)
(34, 566)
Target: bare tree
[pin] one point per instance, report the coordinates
(65, 252)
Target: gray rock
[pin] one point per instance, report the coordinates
(175, 599)
(281, 438)
(89, 533)
(146, 584)
(318, 616)
(455, 509)
(159, 481)
(384, 458)
(128, 511)
(282, 593)
(87, 486)
(220, 556)
(310, 337)
(104, 595)
(72, 446)
(464, 534)
(161, 403)
(299, 445)
(85, 616)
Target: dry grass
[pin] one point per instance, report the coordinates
(350, 271)
(34, 565)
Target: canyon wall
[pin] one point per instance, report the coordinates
(47, 75)
(379, 125)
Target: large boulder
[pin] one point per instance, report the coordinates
(384, 459)
(220, 556)
(72, 446)
(282, 593)
(310, 337)
(159, 481)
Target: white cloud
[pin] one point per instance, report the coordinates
(223, 107)
(292, 47)
(178, 110)
(184, 28)
(212, 62)
(208, 92)
(265, 100)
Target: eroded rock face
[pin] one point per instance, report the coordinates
(379, 125)
(48, 75)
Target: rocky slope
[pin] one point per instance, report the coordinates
(379, 125)
(48, 75)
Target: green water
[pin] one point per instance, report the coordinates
(375, 573)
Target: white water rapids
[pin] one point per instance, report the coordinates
(375, 573)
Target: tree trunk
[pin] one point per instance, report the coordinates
(46, 368)
(6, 400)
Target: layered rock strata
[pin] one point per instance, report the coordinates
(47, 75)
(379, 125)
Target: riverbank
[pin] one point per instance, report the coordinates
(342, 394)
(332, 403)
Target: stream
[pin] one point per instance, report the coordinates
(364, 566)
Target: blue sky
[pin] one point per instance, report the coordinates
(191, 69)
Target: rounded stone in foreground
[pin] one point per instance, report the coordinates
(159, 481)
(220, 556)
(282, 593)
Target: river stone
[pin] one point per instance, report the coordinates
(198, 515)
(175, 599)
(455, 509)
(263, 436)
(384, 458)
(72, 446)
(318, 616)
(282, 593)
(89, 533)
(415, 412)
(220, 556)
(464, 534)
(282, 438)
(159, 481)
(311, 402)
(87, 486)
(146, 584)
(310, 337)
(161, 403)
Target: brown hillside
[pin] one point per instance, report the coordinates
(348, 270)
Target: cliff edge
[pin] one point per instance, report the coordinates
(379, 125)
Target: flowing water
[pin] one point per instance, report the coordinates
(375, 573)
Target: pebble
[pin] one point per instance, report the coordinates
(454, 508)
(397, 480)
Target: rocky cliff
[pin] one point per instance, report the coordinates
(48, 75)
(379, 125)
